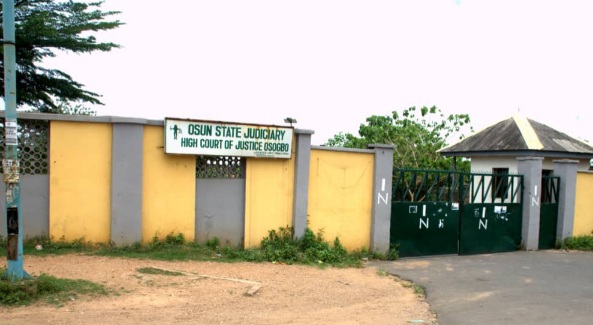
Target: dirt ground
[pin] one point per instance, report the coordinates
(221, 293)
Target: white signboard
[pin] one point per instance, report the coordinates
(10, 132)
(193, 137)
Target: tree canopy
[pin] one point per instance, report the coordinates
(44, 27)
(416, 133)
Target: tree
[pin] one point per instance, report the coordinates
(42, 28)
(416, 137)
(67, 108)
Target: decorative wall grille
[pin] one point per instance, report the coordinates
(33, 149)
(220, 167)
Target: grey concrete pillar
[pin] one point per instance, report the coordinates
(126, 183)
(300, 203)
(531, 169)
(381, 208)
(567, 171)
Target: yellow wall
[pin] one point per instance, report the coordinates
(269, 186)
(168, 189)
(340, 196)
(583, 213)
(80, 181)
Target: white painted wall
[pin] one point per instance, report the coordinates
(485, 164)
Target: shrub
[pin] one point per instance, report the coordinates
(282, 246)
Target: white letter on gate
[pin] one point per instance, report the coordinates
(483, 223)
(423, 223)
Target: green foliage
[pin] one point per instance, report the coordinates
(44, 27)
(281, 246)
(45, 288)
(393, 253)
(581, 243)
(213, 243)
(175, 240)
(416, 134)
(419, 290)
(66, 108)
(382, 272)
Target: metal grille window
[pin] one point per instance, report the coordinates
(33, 149)
(449, 186)
(220, 167)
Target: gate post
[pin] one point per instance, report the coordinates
(531, 169)
(567, 171)
(300, 203)
(381, 208)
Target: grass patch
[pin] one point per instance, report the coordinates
(45, 288)
(155, 271)
(280, 246)
(581, 243)
(419, 290)
(43, 246)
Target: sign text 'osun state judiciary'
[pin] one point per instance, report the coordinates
(218, 139)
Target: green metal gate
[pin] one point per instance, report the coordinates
(492, 212)
(446, 212)
(548, 219)
(424, 220)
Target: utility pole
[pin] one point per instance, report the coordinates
(10, 163)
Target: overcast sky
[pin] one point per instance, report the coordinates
(331, 64)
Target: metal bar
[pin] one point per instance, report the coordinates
(418, 190)
(431, 189)
(477, 188)
(412, 186)
(511, 188)
(451, 182)
(396, 186)
(441, 189)
(487, 189)
(465, 187)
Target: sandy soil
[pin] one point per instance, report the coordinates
(221, 293)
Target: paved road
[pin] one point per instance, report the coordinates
(528, 288)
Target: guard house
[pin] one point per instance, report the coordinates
(496, 148)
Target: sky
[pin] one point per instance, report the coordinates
(330, 64)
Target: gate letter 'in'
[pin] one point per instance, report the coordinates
(483, 223)
(422, 223)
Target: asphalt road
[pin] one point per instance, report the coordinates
(528, 288)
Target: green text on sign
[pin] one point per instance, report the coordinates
(225, 139)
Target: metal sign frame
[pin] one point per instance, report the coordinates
(199, 137)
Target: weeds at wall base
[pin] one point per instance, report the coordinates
(280, 246)
(581, 243)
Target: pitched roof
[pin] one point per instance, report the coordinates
(519, 136)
